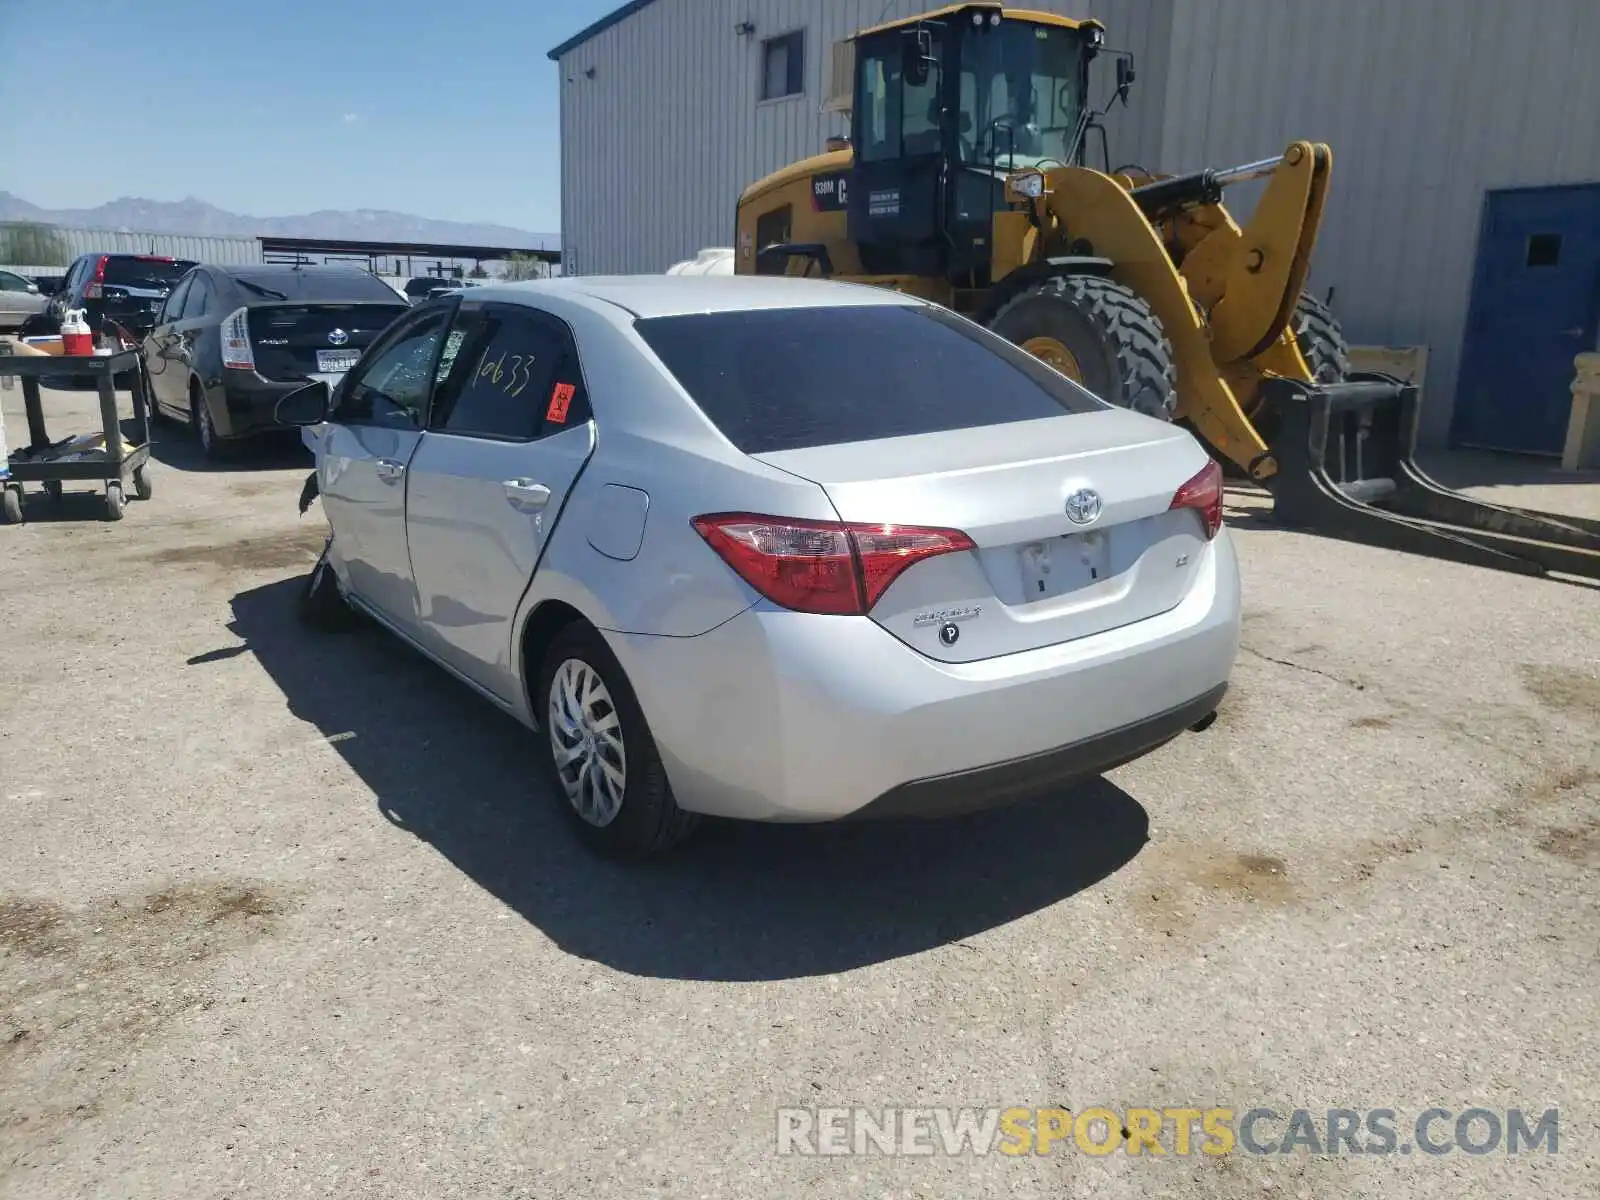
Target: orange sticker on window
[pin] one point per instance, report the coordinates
(560, 401)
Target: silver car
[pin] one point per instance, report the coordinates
(771, 548)
(20, 299)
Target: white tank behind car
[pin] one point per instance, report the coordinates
(716, 260)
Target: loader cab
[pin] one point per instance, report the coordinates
(944, 107)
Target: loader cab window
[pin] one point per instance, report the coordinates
(1021, 93)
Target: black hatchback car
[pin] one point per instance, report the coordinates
(231, 340)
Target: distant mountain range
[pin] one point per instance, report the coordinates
(196, 217)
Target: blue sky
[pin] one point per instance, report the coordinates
(272, 107)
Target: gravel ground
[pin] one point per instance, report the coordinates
(285, 915)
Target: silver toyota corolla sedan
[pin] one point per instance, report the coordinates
(771, 548)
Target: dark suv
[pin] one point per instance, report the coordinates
(125, 289)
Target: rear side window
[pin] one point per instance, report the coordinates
(787, 379)
(172, 310)
(127, 271)
(198, 303)
(515, 377)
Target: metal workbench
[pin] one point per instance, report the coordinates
(118, 463)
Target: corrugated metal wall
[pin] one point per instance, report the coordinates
(221, 250)
(1426, 103)
(656, 147)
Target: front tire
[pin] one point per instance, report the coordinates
(1100, 334)
(598, 753)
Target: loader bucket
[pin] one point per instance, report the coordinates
(1346, 458)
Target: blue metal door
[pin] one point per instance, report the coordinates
(1535, 306)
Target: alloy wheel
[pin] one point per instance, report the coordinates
(586, 742)
(203, 426)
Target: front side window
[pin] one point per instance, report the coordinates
(515, 377)
(392, 386)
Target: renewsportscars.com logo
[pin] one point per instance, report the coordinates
(1176, 1132)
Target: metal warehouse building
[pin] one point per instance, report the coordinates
(1464, 215)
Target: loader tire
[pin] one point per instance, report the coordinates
(1114, 344)
(1321, 340)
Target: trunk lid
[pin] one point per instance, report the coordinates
(293, 339)
(1036, 578)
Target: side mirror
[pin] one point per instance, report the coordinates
(33, 289)
(1125, 78)
(305, 406)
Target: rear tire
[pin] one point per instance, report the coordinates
(1116, 340)
(1321, 340)
(646, 821)
(213, 448)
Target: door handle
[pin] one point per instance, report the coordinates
(525, 494)
(390, 471)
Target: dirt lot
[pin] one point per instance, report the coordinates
(286, 915)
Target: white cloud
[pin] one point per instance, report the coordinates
(351, 118)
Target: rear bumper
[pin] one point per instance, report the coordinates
(1001, 783)
(782, 716)
(246, 403)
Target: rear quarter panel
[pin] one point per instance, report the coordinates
(649, 437)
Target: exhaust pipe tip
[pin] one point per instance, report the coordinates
(1204, 723)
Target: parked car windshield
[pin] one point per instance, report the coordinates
(145, 272)
(317, 285)
(787, 379)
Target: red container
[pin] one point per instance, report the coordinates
(77, 343)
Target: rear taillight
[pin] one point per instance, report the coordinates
(95, 288)
(236, 350)
(822, 566)
(1203, 493)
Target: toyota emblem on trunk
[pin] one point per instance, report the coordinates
(1083, 506)
(338, 337)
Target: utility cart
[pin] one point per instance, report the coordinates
(107, 457)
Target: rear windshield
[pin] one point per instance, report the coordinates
(145, 272)
(313, 285)
(787, 379)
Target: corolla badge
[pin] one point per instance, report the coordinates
(1083, 506)
(338, 337)
(947, 616)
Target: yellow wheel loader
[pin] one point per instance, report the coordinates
(965, 181)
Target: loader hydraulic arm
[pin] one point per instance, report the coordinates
(1168, 197)
(1249, 279)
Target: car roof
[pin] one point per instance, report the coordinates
(271, 270)
(682, 295)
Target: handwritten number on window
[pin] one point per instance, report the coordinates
(511, 377)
